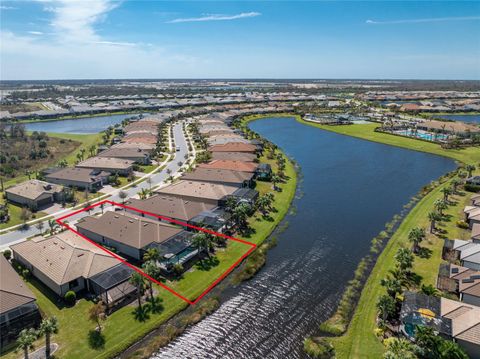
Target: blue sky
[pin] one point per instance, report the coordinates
(57, 39)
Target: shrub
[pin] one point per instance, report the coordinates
(7, 253)
(472, 188)
(462, 224)
(318, 348)
(70, 297)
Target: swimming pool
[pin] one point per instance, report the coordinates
(423, 135)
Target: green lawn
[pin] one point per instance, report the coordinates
(15, 212)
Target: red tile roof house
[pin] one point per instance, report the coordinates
(241, 166)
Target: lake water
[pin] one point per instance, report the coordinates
(464, 118)
(83, 125)
(350, 189)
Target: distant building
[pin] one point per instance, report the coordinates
(137, 155)
(109, 164)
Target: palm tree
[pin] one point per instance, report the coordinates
(240, 215)
(429, 290)
(48, 327)
(404, 260)
(151, 254)
(152, 270)
(25, 340)
(82, 153)
(455, 184)
(143, 193)
(400, 348)
(53, 225)
(440, 205)
(92, 150)
(96, 313)
(386, 306)
(433, 217)
(263, 204)
(40, 226)
(275, 179)
(200, 241)
(446, 192)
(416, 236)
(149, 181)
(392, 285)
(138, 280)
(470, 169)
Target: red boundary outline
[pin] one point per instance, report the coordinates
(218, 280)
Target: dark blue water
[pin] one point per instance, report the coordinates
(84, 125)
(463, 118)
(350, 189)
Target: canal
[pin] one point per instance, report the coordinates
(348, 190)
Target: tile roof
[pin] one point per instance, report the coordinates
(64, 257)
(198, 189)
(77, 174)
(233, 147)
(170, 206)
(106, 162)
(14, 292)
(33, 189)
(129, 229)
(230, 165)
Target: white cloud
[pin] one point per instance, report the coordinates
(419, 21)
(3, 7)
(215, 17)
(38, 33)
(114, 43)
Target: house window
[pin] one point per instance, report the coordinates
(73, 284)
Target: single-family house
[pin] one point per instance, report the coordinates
(137, 155)
(88, 178)
(235, 156)
(474, 180)
(169, 206)
(241, 195)
(67, 262)
(234, 147)
(109, 164)
(221, 176)
(263, 172)
(129, 234)
(451, 319)
(18, 308)
(472, 215)
(467, 252)
(34, 193)
(211, 193)
(476, 233)
(231, 165)
(475, 200)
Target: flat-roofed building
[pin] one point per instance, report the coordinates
(220, 176)
(18, 308)
(79, 177)
(195, 190)
(109, 164)
(130, 234)
(34, 193)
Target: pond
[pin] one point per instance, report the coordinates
(83, 125)
(349, 189)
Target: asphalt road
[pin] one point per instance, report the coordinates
(159, 177)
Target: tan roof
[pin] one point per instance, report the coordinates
(476, 231)
(77, 174)
(33, 189)
(465, 319)
(234, 156)
(140, 138)
(14, 292)
(209, 191)
(125, 152)
(129, 229)
(143, 146)
(110, 163)
(449, 126)
(64, 257)
(217, 175)
(233, 147)
(169, 206)
(230, 165)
